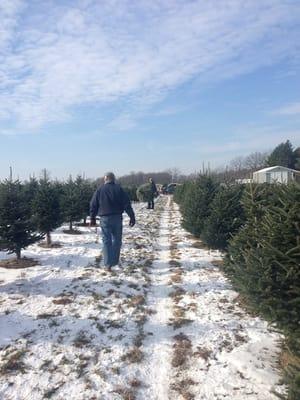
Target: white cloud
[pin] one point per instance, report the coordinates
(290, 109)
(122, 122)
(55, 57)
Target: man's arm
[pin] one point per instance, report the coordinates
(128, 208)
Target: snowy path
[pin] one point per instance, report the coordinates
(220, 352)
(166, 325)
(158, 345)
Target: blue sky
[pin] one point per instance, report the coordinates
(129, 85)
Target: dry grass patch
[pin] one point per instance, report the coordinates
(135, 355)
(175, 255)
(139, 246)
(135, 383)
(180, 322)
(136, 301)
(98, 260)
(176, 276)
(51, 392)
(174, 264)
(100, 327)
(177, 294)
(114, 324)
(217, 263)
(178, 312)
(48, 315)
(139, 338)
(192, 307)
(240, 338)
(173, 246)
(182, 388)
(81, 340)
(141, 319)
(226, 344)
(175, 239)
(17, 264)
(115, 370)
(287, 359)
(133, 285)
(97, 296)
(54, 245)
(200, 245)
(150, 311)
(72, 232)
(182, 350)
(110, 292)
(12, 361)
(203, 352)
(224, 300)
(148, 263)
(62, 300)
(125, 392)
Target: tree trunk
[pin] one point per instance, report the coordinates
(18, 253)
(84, 220)
(48, 239)
(71, 226)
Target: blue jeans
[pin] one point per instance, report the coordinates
(111, 229)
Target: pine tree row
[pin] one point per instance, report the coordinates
(30, 211)
(258, 226)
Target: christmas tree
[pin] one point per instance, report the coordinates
(264, 258)
(144, 192)
(46, 208)
(225, 218)
(196, 203)
(17, 228)
(71, 202)
(85, 190)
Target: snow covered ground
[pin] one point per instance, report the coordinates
(164, 325)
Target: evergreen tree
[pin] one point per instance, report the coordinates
(246, 242)
(17, 229)
(263, 260)
(85, 189)
(297, 158)
(225, 218)
(180, 193)
(71, 202)
(282, 155)
(131, 192)
(46, 208)
(30, 189)
(144, 192)
(196, 203)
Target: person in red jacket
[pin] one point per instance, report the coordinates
(109, 202)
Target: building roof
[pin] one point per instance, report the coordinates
(275, 167)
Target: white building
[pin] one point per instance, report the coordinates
(276, 174)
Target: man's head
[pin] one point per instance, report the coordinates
(150, 180)
(109, 177)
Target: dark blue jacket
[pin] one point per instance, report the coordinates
(110, 199)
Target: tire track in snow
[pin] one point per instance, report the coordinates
(156, 372)
(181, 383)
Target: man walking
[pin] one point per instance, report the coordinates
(154, 193)
(109, 202)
